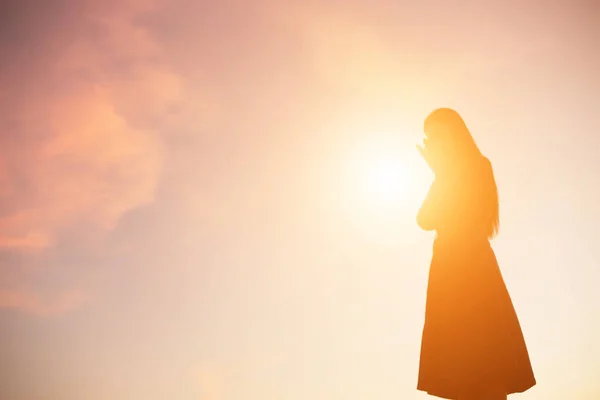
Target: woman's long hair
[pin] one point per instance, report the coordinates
(468, 159)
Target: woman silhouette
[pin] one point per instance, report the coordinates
(472, 345)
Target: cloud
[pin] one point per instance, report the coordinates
(96, 166)
(30, 241)
(84, 103)
(40, 305)
(68, 150)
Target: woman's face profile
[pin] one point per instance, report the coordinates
(439, 140)
(436, 131)
(437, 135)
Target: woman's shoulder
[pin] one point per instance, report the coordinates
(484, 169)
(487, 162)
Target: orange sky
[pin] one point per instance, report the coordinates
(184, 211)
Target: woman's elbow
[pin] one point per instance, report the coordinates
(425, 223)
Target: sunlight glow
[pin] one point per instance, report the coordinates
(385, 180)
(376, 180)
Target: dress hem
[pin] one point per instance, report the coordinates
(448, 396)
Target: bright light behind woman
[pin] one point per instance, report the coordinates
(383, 174)
(385, 180)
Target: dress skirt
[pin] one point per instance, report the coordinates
(472, 340)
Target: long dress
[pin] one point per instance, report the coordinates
(472, 340)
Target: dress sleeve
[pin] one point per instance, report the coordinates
(460, 201)
(444, 204)
(428, 214)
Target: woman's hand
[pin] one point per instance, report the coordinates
(430, 155)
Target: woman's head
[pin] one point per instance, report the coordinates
(462, 156)
(447, 127)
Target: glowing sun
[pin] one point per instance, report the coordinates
(384, 179)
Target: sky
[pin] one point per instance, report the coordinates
(217, 200)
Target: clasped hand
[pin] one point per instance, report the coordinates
(431, 154)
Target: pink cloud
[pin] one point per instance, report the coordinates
(39, 305)
(30, 241)
(87, 158)
(96, 166)
(82, 140)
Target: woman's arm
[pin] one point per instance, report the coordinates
(443, 204)
(427, 216)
